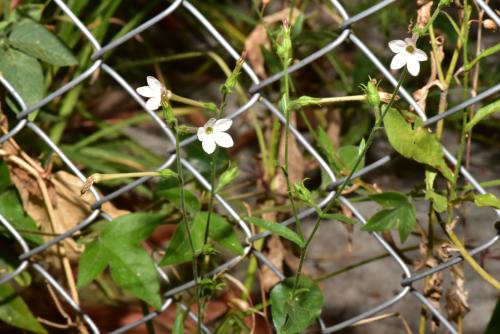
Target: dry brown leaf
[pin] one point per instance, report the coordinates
(424, 14)
(334, 127)
(457, 295)
(255, 41)
(275, 254)
(69, 208)
(39, 189)
(258, 38)
(421, 94)
(434, 290)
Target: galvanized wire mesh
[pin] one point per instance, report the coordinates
(345, 34)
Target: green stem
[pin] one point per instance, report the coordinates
(185, 222)
(360, 263)
(337, 194)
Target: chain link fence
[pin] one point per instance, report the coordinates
(25, 260)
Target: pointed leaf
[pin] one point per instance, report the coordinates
(15, 312)
(487, 200)
(278, 229)
(415, 142)
(440, 202)
(131, 228)
(482, 113)
(131, 266)
(179, 250)
(24, 73)
(133, 270)
(222, 232)
(293, 314)
(92, 262)
(37, 41)
(398, 212)
(12, 209)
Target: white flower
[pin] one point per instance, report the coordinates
(212, 134)
(407, 54)
(154, 91)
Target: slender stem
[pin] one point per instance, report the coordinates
(212, 195)
(470, 260)
(361, 263)
(185, 222)
(185, 100)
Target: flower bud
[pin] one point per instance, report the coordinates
(372, 94)
(227, 177)
(489, 24)
(301, 192)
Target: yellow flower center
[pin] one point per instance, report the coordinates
(209, 130)
(410, 49)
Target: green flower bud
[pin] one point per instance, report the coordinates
(166, 173)
(227, 177)
(301, 192)
(305, 101)
(372, 94)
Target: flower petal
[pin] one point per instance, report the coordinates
(397, 46)
(413, 66)
(153, 103)
(420, 55)
(208, 144)
(410, 41)
(146, 91)
(223, 139)
(223, 124)
(202, 134)
(210, 123)
(398, 61)
(154, 83)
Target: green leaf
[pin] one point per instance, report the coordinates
(5, 181)
(15, 312)
(228, 176)
(174, 196)
(278, 229)
(179, 250)
(132, 268)
(180, 317)
(440, 202)
(482, 113)
(326, 146)
(415, 142)
(487, 200)
(339, 217)
(494, 324)
(221, 232)
(347, 155)
(12, 209)
(24, 73)
(293, 314)
(118, 247)
(37, 41)
(398, 212)
(92, 262)
(32, 11)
